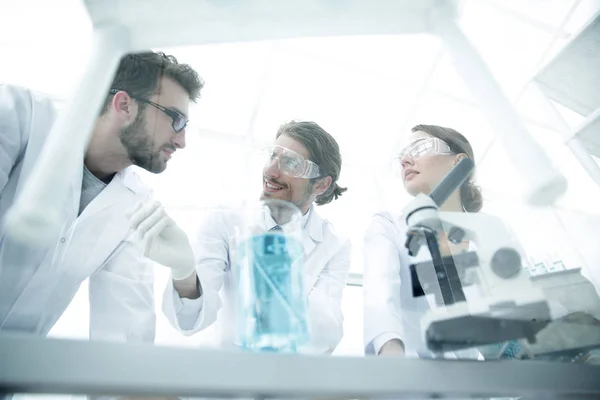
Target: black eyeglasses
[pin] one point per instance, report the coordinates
(179, 120)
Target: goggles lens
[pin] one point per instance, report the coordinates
(419, 148)
(424, 147)
(291, 163)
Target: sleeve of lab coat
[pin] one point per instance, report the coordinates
(325, 302)
(381, 285)
(211, 249)
(121, 298)
(16, 111)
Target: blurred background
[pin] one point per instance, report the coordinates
(367, 92)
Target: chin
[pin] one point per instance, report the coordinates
(414, 188)
(410, 189)
(157, 169)
(269, 196)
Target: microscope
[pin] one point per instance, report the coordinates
(506, 306)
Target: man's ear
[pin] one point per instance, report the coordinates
(322, 185)
(124, 107)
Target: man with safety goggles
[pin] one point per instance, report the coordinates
(290, 176)
(302, 167)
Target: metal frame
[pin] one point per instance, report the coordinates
(571, 139)
(127, 25)
(37, 365)
(566, 79)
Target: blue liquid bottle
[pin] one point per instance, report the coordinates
(271, 304)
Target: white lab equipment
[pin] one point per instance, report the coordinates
(39, 280)
(326, 266)
(476, 299)
(508, 305)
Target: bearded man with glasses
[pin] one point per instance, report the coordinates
(142, 123)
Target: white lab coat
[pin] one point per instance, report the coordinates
(325, 268)
(390, 310)
(37, 284)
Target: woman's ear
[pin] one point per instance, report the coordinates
(459, 157)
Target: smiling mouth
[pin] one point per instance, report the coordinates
(271, 187)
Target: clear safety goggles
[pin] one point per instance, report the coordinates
(425, 147)
(421, 147)
(291, 163)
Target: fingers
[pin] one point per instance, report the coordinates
(141, 212)
(157, 228)
(150, 221)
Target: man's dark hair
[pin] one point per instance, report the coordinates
(323, 151)
(139, 75)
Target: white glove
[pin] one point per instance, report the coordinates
(163, 241)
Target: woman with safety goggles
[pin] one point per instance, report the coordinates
(391, 314)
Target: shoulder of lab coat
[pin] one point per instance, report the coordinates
(326, 273)
(121, 292)
(211, 250)
(381, 280)
(22, 113)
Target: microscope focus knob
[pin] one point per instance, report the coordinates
(456, 235)
(506, 262)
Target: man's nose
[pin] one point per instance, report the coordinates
(179, 140)
(272, 168)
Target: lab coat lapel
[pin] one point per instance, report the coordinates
(312, 236)
(106, 217)
(121, 190)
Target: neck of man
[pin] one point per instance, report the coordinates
(105, 154)
(304, 209)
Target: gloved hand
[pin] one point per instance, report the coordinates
(163, 241)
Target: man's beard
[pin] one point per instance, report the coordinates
(306, 197)
(140, 146)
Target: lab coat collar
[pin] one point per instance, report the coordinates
(113, 193)
(314, 226)
(313, 232)
(132, 181)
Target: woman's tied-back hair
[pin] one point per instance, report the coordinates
(470, 194)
